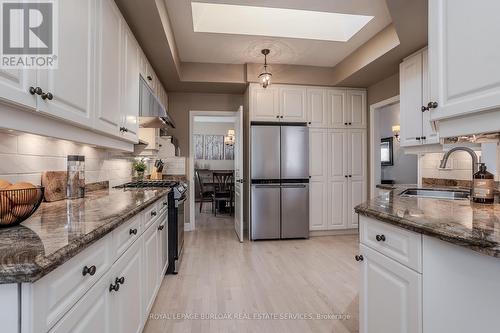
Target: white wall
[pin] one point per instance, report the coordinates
(405, 168)
(213, 128)
(23, 157)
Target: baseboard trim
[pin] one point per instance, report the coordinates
(319, 233)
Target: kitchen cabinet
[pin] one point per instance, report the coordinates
(15, 85)
(415, 118)
(337, 108)
(318, 169)
(162, 243)
(292, 104)
(70, 87)
(357, 175)
(356, 109)
(264, 104)
(463, 58)
(109, 68)
(390, 295)
(317, 111)
(151, 255)
(129, 125)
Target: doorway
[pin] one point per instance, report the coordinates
(215, 167)
(390, 165)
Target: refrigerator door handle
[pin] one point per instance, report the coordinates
(267, 186)
(294, 186)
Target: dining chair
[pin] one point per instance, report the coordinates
(204, 194)
(223, 189)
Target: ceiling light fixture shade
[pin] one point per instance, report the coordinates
(230, 138)
(265, 77)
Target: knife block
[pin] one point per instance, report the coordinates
(155, 175)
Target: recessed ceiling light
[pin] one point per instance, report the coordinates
(275, 22)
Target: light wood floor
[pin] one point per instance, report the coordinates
(223, 277)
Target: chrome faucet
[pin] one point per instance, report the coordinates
(471, 152)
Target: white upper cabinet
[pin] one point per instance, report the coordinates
(318, 153)
(464, 57)
(317, 111)
(415, 117)
(292, 104)
(130, 87)
(15, 86)
(337, 108)
(264, 104)
(356, 109)
(68, 90)
(109, 71)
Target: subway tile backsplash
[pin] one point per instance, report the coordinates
(25, 156)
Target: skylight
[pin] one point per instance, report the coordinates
(275, 22)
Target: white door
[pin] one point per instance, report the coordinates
(464, 56)
(318, 186)
(390, 298)
(264, 103)
(238, 175)
(127, 301)
(93, 313)
(293, 104)
(357, 165)
(150, 266)
(130, 87)
(337, 109)
(338, 175)
(337, 204)
(15, 86)
(410, 72)
(429, 136)
(318, 205)
(356, 108)
(72, 84)
(316, 108)
(109, 68)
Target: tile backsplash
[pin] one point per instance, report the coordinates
(459, 166)
(23, 157)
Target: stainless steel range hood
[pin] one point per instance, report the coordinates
(152, 114)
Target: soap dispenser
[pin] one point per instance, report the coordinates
(484, 186)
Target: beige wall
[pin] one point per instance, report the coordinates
(179, 105)
(384, 89)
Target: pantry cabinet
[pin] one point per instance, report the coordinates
(317, 111)
(415, 116)
(292, 104)
(463, 59)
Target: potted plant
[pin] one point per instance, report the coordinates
(139, 167)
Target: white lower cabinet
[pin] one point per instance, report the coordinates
(390, 295)
(150, 248)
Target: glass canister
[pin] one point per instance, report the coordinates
(76, 176)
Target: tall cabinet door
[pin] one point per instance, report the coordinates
(410, 72)
(357, 192)
(15, 85)
(109, 68)
(72, 83)
(356, 108)
(318, 169)
(150, 266)
(465, 75)
(317, 115)
(337, 179)
(337, 108)
(293, 104)
(390, 295)
(130, 86)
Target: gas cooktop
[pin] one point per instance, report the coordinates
(148, 184)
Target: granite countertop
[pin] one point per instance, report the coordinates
(58, 231)
(460, 222)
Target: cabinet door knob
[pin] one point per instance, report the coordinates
(432, 105)
(380, 238)
(165, 203)
(350, 124)
(36, 90)
(424, 108)
(359, 258)
(423, 138)
(281, 117)
(133, 232)
(350, 176)
(150, 78)
(89, 270)
(277, 116)
(160, 228)
(114, 287)
(48, 96)
(345, 124)
(418, 138)
(153, 213)
(346, 176)
(120, 280)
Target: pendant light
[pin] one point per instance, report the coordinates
(265, 77)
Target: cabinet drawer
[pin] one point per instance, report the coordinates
(53, 295)
(399, 244)
(125, 235)
(151, 214)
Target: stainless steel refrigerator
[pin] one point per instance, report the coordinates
(280, 181)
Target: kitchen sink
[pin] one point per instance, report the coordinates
(436, 194)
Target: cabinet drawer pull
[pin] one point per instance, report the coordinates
(150, 78)
(36, 90)
(161, 227)
(432, 105)
(165, 203)
(153, 213)
(48, 96)
(359, 258)
(114, 287)
(120, 280)
(89, 270)
(380, 238)
(424, 108)
(133, 232)
(350, 124)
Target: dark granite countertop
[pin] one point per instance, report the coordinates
(460, 222)
(60, 230)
